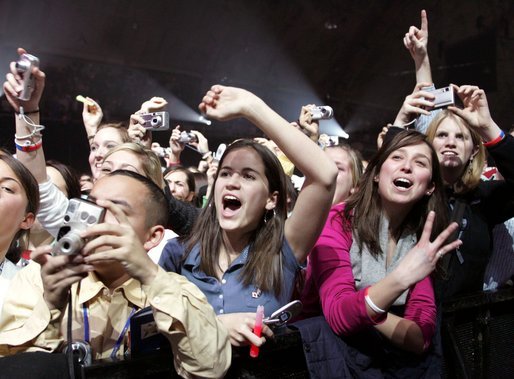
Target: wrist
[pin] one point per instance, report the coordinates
(148, 277)
(495, 140)
(25, 111)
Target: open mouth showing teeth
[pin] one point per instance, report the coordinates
(231, 202)
(403, 183)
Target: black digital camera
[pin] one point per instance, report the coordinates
(80, 215)
(24, 67)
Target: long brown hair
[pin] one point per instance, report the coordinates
(364, 207)
(263, 267)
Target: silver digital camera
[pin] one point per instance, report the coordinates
(24, 67)
(156, 121)
(443, 97)
(80, 215)
(322, 112)
(187, 137)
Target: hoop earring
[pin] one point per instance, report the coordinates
(267, 216)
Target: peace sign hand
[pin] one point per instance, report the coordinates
(421, 260)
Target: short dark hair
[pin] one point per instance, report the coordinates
(156, 204)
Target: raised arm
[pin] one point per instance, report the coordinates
(313, 203)
(416, 41)
(28, 139)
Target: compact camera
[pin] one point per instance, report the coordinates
(156, 121)
(81, 352)
(443, 97)
(80, 215)
(322, 112)
(187, 137)
(24, 67)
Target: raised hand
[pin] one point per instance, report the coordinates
(175, 145)
(92, 116)
(240, 327)
(137, 132)
(202, 144)
(307, 125)
(476, 111)
(226, 103)
(416, 39)
(154, 104)
(415, 104)
(14, 85)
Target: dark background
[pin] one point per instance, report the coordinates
(347, 54)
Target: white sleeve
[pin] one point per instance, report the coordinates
(53, 205)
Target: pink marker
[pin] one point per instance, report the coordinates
(259, 315)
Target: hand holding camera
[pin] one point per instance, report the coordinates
(80, 215)
(415, 104)
(24, 83)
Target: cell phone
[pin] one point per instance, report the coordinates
(443, 97)
(282, 315)
(156, 121)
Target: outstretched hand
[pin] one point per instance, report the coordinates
(416, 39)
(421, 260)
(14, 85)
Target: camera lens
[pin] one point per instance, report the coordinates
(21, 66)
(155, 121)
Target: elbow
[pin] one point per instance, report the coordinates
(328, 177)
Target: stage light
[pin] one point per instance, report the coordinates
(202, 119)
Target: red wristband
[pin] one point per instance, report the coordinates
(29, 148)
(495, 141)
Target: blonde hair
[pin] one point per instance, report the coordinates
(471, 175)
(149, 160)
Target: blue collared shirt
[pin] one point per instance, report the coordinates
(230, 295)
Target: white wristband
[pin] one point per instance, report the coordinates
(372, 305)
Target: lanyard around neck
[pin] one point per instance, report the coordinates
(117, 345)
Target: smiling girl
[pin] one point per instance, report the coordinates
(369, 271)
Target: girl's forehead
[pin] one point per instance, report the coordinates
(244, 155)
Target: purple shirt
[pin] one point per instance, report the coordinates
(330, 286)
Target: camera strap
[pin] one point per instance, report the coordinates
(119, 341)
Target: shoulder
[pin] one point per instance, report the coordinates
(172, 254)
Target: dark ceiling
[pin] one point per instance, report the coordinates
(347, 54)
